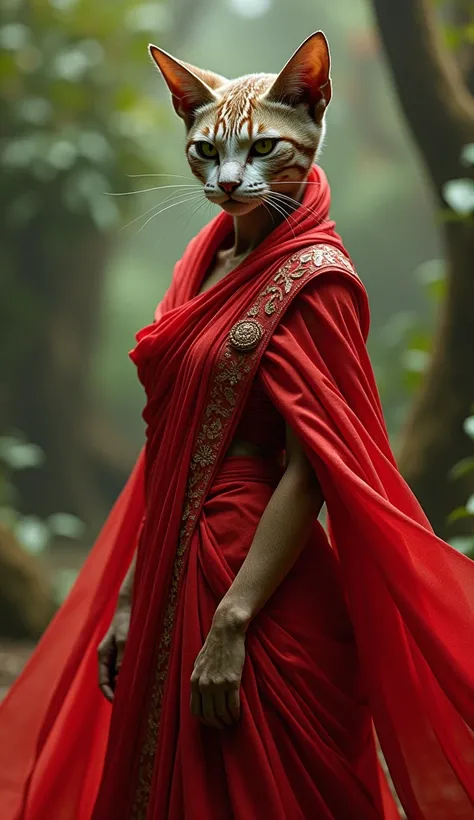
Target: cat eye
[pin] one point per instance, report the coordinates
(263, 146)
(206, 149)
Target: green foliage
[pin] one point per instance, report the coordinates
(458, 27)
(464, 469)
(402, 348)
(73, 113)
(32, 532)
(459, 193)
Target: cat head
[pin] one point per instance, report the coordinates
(256, 134)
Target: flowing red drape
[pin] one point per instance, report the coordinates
(409, 594)
(53, 722)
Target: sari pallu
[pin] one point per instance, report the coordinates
(410, 595)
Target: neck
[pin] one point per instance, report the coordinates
(252, 228)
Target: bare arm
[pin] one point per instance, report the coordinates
(112, 646)
(279, 538)
(125, 594)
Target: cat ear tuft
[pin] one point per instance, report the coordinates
(305, 78)
(190, 87)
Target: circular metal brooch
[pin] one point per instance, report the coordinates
(246, 334)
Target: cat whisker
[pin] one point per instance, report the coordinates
(283, 200)
(132, 221)
(182, 214)
(173, 205)
(293, 204)
(147, 190)
(195, 211)
(176, 176)
(290, 201)
(262, 202)
(153, 207)
(279, 209)
(293, 182)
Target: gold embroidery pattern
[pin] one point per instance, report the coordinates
(296, 267)
(230, 377)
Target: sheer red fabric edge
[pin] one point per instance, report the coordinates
(410, 594)
(60, 681)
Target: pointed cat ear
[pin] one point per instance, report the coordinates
(190, 86)
(305, 77)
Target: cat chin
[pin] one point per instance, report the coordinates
(232, 206)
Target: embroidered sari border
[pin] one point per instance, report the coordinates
(231, 377)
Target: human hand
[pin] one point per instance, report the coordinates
(216, 677)
(111, 649)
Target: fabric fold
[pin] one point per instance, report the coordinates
(411, 595)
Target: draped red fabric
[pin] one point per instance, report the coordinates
(410, 595)
(304, 746)
(54, 722)
(314, 676)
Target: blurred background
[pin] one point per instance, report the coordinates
(85, 123)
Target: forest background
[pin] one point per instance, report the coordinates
(84, 261)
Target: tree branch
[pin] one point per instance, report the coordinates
(432, 92)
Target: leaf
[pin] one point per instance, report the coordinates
(467, 154)
(463, 543)
(32, 533)
(432, 275)
(470, 505)
(394, 332)
(251, 8)
(468, 426)
(62, 154)
(149, 17)
(458, 515)
(416, 361)
(459, 194)
(34, 110)
(94, 146)
(462, 468)
(14, 36)
(453, 36)
(66, 525)
(19, 455)
(8, 517)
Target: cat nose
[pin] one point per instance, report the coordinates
(229, 187)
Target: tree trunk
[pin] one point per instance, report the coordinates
(440, 113)
(56, 277)
(434, 439)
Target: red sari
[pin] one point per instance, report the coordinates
(375, 626)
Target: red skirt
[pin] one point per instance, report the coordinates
(304, 746)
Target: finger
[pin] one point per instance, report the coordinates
(120, 653)
(233, 701)
(106, 664)
(196, 706)
(105, 683)
(208, 710)
(221, 707)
